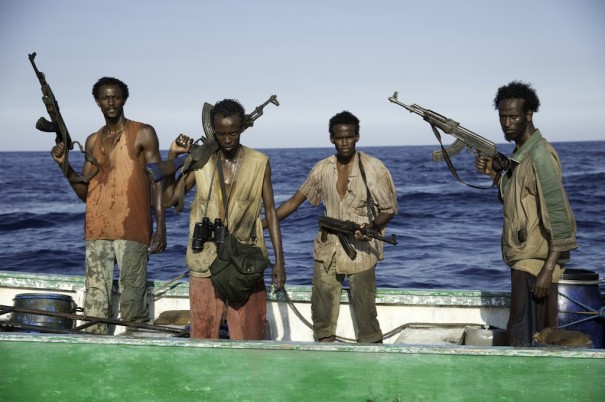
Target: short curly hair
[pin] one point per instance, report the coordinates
(344, 117)
(518, 90)
(227, 107)
(110, 81)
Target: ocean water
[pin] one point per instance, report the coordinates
(448, 233)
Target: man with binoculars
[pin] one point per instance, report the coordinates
(247, 181)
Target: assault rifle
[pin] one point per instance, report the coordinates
(199, 154)
(346, 229)
(57, 125)
(464, 139)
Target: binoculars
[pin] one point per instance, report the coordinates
(207, 231)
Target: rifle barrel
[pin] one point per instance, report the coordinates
(412, 109)
(258, 111)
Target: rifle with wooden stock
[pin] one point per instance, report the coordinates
(57, 126)
(345, 231)
(199, 154)
(465, 139)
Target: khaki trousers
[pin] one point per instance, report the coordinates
(325, 302)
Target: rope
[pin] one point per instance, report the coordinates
(388, 334)
(156, 292)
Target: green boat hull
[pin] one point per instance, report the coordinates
(288, 367)
(77, 368)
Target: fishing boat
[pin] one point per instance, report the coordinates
(439, 345)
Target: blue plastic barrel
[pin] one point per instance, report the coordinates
(581, 305)
(53, 302)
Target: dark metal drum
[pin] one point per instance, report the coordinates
(580, 304)
(52, 302)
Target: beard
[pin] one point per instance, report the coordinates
(514, 136)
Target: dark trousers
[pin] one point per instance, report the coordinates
(529, 315)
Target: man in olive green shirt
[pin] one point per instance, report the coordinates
(539, 227)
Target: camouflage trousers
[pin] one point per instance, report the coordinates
(101, 258)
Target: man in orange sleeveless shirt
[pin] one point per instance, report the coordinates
(118, 223)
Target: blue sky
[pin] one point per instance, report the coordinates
(318, 57)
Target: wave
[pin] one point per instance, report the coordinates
(448, 233)
(25, 220)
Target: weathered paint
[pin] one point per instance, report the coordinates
(72, 368)
(395, 306)
(77, 368)
(75, 284)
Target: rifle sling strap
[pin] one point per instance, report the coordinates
(451, 167)
(370, 201)
(197, 159)
(88, 157)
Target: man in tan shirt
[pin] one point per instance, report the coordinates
(342, 183)
(248, 187)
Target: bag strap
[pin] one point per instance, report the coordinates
(221, 177)
(370, 201)
(211, 183)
